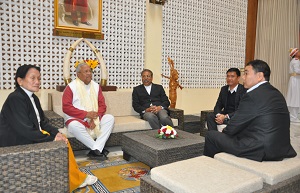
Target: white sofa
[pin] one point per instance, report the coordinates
(119, 104)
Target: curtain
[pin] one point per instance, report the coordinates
(277, 31)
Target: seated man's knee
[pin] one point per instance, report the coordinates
(165, 118)
(74, 125)
(107, 122)
(149, 116)
(108, 118)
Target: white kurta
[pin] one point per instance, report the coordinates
(293, 94)
(76, 112)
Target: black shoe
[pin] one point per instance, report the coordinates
(105, 152)
(75, 23)
(87, 23)
(96, 154)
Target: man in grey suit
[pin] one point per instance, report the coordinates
(228, 100)
(260, 128)
(151, 102)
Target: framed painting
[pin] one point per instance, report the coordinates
(78, 18)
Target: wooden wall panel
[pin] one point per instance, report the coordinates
(251, 30)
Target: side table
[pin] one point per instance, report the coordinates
(145, 147)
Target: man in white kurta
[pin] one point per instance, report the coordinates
(293, 95)
(84, 108)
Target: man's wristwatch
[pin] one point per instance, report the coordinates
(226, 117)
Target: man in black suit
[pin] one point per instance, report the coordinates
(151, 102)
(228, 100)
(260, 128)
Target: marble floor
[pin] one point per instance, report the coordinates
(116, 150)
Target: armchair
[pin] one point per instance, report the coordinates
(41, 167)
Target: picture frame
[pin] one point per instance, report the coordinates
(78, 18)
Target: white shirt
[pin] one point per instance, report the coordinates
(255, 86)
(148, 88)
(234, 89)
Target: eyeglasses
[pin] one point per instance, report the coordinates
(146, 76)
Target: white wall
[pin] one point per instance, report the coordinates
(192, 101)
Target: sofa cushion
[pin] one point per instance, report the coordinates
(130, 123)
(55, 102)
(271, 171)
(58, 109)
(133, 123)
(119, 103)
(204, 174)
(124, 124)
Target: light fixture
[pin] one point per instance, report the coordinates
(161, 2)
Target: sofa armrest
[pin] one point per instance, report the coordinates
(203, 116)
(54, 119)
(178, 114)
(34, 168)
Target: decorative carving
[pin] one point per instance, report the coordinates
(98, 55)
(173, 83)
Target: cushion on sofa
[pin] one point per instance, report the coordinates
(119, 103)
(204, 174)
(124, 124)
(133, 123)
(58, 109)
(271, 171)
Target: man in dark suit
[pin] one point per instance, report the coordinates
(260, 128)
(151, 102)
(228, 100)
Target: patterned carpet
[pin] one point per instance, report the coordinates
(114, 175)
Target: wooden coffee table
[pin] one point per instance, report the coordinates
(145, 147)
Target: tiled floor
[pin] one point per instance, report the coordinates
(116, 150)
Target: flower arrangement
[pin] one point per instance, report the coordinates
(167, 132)
(92, 63)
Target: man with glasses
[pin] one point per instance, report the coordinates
(84, 108)
(151, 102)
